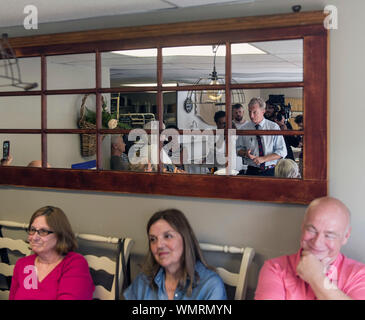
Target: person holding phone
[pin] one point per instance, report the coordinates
(7, 157)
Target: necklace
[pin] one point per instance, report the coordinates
(49, 264)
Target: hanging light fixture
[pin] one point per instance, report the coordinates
(9, 66)
(213, 97)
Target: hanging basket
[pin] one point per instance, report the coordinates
(87, 140)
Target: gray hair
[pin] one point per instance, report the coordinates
(287, 168)
(259, 101)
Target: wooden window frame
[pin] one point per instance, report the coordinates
(306, 25)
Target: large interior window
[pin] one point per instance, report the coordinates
(159, 98)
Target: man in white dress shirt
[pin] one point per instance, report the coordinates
(260, 153)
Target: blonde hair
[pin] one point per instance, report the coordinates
(287, 168)
(142, 161)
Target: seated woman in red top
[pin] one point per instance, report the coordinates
(54, 271)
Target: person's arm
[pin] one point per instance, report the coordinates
(312, 271)
(270, 284)
(259, 160)
(213, 289)
(75, 282)
(240, 147)
(139, 289)
(279, 147)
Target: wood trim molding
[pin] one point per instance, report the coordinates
(188, 185)
(173, 29)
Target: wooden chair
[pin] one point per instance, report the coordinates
(237, 280)
(116, 269)
(14, 246)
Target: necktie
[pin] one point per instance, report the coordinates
(261, 149)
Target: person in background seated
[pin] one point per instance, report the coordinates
(34, 163)
(287, 168)
(175, 266)
(118, 159)
(318, 270)
(54, 271)
(142, 163)
(37, 164)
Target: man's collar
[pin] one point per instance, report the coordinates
(261, 124)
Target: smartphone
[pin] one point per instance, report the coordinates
(6, 149)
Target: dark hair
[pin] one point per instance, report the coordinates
(58, 222)
(279, 116)
(274, 106)
(218, 115)
(237, 106)
(298, 119)
(191, 252)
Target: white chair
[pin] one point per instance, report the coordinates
(238, 280)
(118, 269)
(13, 245)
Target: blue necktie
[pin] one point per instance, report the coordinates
(261, 149)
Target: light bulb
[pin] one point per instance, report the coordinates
(214, 95)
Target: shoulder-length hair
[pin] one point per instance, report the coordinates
(59, 224)
(191, 252)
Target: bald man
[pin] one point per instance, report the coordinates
(318, 270)
(37, 164)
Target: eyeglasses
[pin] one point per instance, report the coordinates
(41, 232)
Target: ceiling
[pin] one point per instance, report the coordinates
(67, 10)
(56, 16)
(282, 62)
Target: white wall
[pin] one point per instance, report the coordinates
(62, 111)
(272, 229)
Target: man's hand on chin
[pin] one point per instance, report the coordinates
(310, 268)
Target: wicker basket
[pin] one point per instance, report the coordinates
(88, 141)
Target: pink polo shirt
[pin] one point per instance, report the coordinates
(69, 280)
(278, 279)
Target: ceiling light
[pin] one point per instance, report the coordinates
(211, 97)
(237, 48)
(138, 53)
(147, 85)
(195, 3)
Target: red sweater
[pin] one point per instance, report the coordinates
(69, 280)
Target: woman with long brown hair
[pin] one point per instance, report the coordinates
(175, 267)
